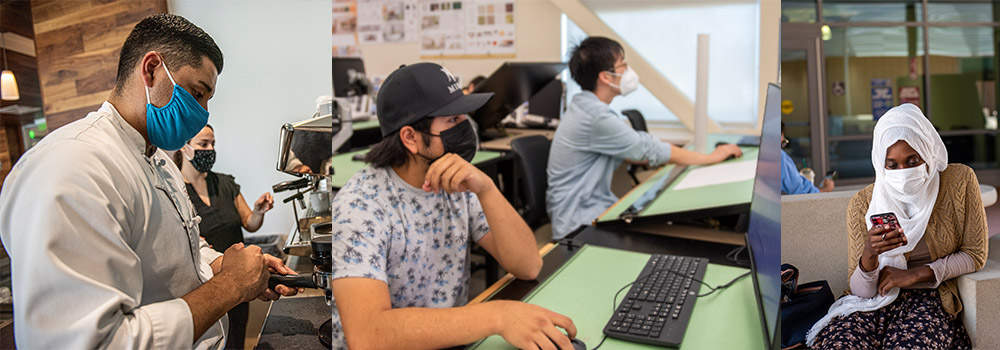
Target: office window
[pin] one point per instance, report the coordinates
(950, 11)
(871, 11)
(798, 11)
(859, 59)
(963, 93)
(666, 35)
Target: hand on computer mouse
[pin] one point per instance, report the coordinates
(577, 344)
(724, 151)
(528, 326)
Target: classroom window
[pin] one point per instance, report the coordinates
(733, 58)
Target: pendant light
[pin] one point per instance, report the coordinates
(8, 85)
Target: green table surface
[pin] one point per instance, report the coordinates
(582, 290)
(344, 167)
(675, 201)
(368, 124)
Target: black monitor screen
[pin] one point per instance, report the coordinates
(344, 69)
(511, 85)
(548, 101)
(764, 230)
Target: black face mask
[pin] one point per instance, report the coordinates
(461, 139)
(203, 160)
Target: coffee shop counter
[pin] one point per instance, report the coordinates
(289, 322)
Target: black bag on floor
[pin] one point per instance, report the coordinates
(801, 306)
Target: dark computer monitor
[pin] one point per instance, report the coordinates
(547, 102)
(511, 85)
(345, 69)
(764, 230)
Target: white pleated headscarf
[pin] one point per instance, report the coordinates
(912, 209)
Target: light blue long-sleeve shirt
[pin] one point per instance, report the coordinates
(791, 181)
(590, 143)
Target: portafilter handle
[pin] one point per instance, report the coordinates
(304, 280)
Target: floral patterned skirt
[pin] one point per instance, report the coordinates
(915, 320)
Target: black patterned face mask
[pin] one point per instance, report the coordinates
(203, 159)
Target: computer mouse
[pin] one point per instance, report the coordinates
(731, 156)
(577, 345)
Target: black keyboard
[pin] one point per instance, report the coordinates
(657, 308)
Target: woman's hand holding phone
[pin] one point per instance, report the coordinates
(881, 238)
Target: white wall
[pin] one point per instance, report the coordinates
(277, 61)
(537, 40)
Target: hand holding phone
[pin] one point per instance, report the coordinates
(886, 234)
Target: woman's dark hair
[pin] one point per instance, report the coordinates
(591, 57)
(391, 151)
(178, 157)
(475, 81)
(175, 38)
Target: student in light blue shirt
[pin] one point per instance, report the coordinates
(791, 181)
(592, 140)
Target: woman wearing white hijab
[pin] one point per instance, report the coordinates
(903, 292)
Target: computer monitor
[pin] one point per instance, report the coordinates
(547, 102)
(764, 230)
(511, 85)
(345, 69)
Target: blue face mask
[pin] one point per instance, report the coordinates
(169, 127)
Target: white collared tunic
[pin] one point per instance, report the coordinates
(103, 242)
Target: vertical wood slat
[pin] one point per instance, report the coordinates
(77, 44)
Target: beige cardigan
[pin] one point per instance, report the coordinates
(958, 222)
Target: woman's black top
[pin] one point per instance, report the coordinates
(221, 224)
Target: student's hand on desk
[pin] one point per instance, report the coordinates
(527, 326)
(722, 152)
(275, 265)
(453, 174)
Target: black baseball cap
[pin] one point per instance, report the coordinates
(420, 90)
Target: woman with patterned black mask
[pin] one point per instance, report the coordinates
(224, 213)
(904, 293)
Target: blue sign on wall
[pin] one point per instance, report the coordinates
(881, 97)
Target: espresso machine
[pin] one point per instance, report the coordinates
(305, 151)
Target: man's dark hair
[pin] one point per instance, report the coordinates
(592, 56)
(391, 151)
(782, 127)
(176, 39)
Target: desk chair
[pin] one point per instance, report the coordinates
(531, 158)
(639, 124)
(531, 154)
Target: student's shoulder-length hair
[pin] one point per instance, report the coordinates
(391, 152)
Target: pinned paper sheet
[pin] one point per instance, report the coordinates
(719, 174)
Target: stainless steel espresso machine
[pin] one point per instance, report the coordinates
(305, 151)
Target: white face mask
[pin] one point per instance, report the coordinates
(629, 81)
(907, 181)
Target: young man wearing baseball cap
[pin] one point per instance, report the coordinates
(402, 228)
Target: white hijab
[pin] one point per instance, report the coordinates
(912, 208)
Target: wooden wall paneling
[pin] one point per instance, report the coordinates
(78, 44)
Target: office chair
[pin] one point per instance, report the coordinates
(531, 154)
(636, 119)
(639, 124)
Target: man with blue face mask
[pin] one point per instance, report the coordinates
(592, 140)
(102, 238)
